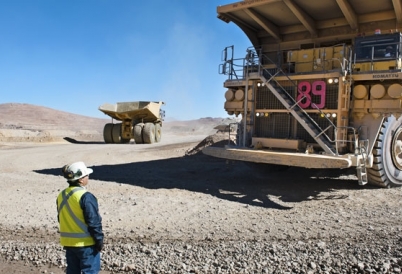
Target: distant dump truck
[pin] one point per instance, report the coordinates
(320, 88)
(141, 121)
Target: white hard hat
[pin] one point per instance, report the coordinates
(76, 171)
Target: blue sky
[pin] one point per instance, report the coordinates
(75, 55)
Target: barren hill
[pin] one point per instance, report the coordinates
(26, 122)
(27, 116)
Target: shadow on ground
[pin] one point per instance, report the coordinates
(234, 181)
(74, 141)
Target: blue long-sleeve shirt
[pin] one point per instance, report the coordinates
(90, 208)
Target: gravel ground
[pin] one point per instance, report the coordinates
(167, 212)
(167, 208)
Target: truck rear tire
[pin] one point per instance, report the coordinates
(107, 133)
(148, 133)
(387, 153)
(116, 133)
(137, 132)
(158, 132)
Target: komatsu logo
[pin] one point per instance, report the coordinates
(234, 83)
(387, 75)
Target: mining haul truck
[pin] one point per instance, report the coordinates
(320, 86)
(141, 121)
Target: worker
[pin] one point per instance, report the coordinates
(388, 51)
(80, 222)
(250, 56)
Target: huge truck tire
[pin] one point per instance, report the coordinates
(116, 133)
(158, 132)
(107, 133)
(387, 155)
(148, 133)
(137, 132)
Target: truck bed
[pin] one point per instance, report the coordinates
(138, 110)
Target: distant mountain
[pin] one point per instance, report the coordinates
(27, 116)
(33, 117)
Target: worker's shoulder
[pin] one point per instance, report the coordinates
(88, 196)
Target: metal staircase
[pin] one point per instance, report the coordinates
(304, 119)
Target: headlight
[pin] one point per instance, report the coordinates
(330, 81)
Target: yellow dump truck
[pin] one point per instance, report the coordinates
(141, 121)
(320, 87)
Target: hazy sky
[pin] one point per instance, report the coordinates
(75, 55)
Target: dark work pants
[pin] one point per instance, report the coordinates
(82, 260)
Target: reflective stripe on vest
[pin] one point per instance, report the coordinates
(73, 229)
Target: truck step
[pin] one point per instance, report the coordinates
(361, 175)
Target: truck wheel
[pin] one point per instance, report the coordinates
(158, 133)
(137, 132)
(148, 133)
(107, 133)
(387, 153)
(116, 133)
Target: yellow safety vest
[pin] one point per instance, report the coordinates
(73, 229)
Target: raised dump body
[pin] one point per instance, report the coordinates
(140, 120)
(321, 86)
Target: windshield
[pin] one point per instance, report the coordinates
(377, 47)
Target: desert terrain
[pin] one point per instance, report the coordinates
(168, 208)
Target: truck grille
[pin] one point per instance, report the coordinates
(285, 126)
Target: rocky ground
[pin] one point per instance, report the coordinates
(167, 208)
